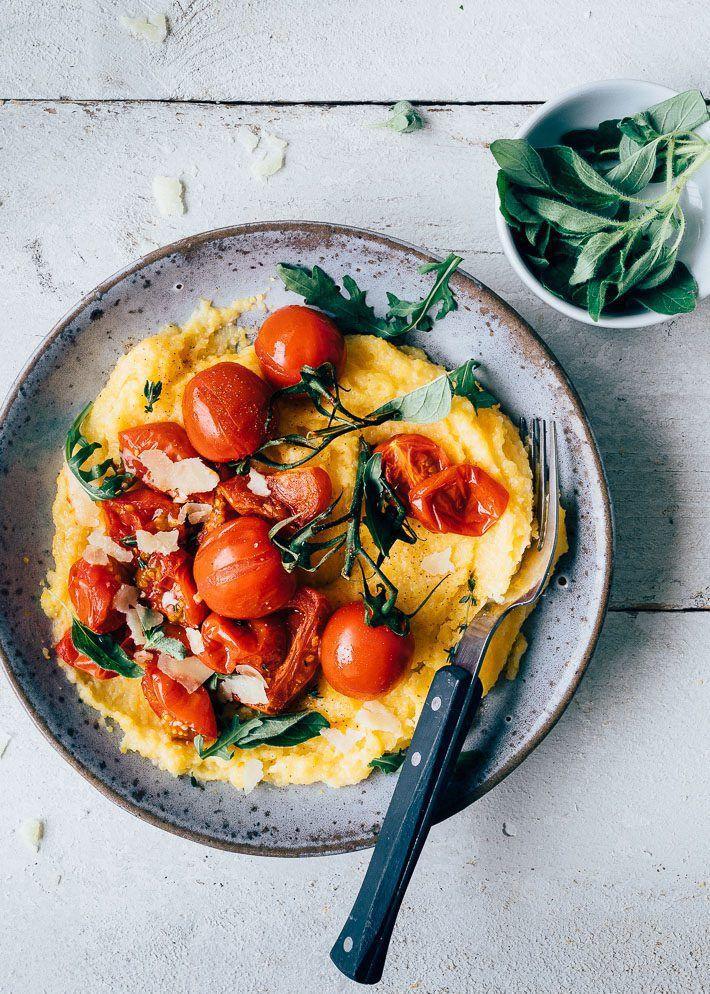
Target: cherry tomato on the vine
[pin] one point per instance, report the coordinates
(358, 660)
(463, 500)
(296, 336)
(226, 411)
(239, 573)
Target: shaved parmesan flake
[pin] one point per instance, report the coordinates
(32, 833)
(168, 194)
(195, 513)
(125, 598)
(100, 541)
(86, 512)
(4, 743)
(163, 542)
(170, 599)
(141, 619)
(95, 557)
(190, 672)
(256, 482)
(153, 29)
(377, 718)
(252, 772)
(195, 640)
(342, 741)
(270, 157)
(180, 478)
(246, 684)
(246, 138)
(438, 563)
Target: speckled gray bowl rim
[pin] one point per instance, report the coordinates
(518, 327)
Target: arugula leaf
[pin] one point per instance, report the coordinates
(355, 316)
(403, 118)
(77, 450)
(385, 514)
(388, 762)
(464, 384)
(151, 391)
(104, 651)
(279, 730)
(522, 163)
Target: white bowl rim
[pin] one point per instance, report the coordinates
(642, 320)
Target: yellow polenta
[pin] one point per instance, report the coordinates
(375, 372)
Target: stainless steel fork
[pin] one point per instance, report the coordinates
(453, 698)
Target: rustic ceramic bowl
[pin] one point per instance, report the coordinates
(70, 368)
(585, 107)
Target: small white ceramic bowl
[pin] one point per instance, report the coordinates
(585, 107)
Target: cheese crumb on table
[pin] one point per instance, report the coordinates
(153, 28)
(32, 833)
(270, 157)
(169, 194)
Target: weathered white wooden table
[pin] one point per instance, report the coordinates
(599, 881)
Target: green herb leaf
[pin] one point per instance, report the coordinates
(634, 172)
(596, 297)
(355, 316)
(425, 405)
(279, 730)
(151, 391)
(684, 112)
(104, 651)
(593, 253)
(678, 295)
(77, 450)
(522, 163)
(385, 514)
(565, 218)
(575, 179)
(388, 762)
(403, 117)
(465, 384)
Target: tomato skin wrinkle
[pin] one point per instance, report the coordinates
(140, 508)
(360, 661)
(296, 336)
(92, 588)
(299, 493)
(261, 643)
(226, 411)
(239, 573)
(461, 500)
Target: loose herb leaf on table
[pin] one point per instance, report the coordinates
(579, 222)
(248, 733)
(403, 117)
(77, 450)
(355, 316)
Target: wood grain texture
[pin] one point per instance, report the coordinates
(77, 206)
(258, 50)
(585, 871)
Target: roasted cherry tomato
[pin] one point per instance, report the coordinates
(261, 643)
(226, 411)
(304, 493)
(139, 508)
(239, 573)
(167, 436)
(360, 661)
(68, 653)
(463, 500)
(219, 515)
(183, 713)
(92, 588)
(408, 459)
(294, 337)
(166, 579)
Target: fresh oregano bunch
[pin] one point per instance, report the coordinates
(584, 221)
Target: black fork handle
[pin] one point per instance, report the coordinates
(361, 949)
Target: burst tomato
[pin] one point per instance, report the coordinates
(360, 661)
(68, 653)
(261, 643)
(226, 411)
(463, 500)
(239, 573)
(166, 579)
(183, 713)
(167, 436)
(303, 493)
(408, 459)
(92, 588)
(294, 337)
(141, 508)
